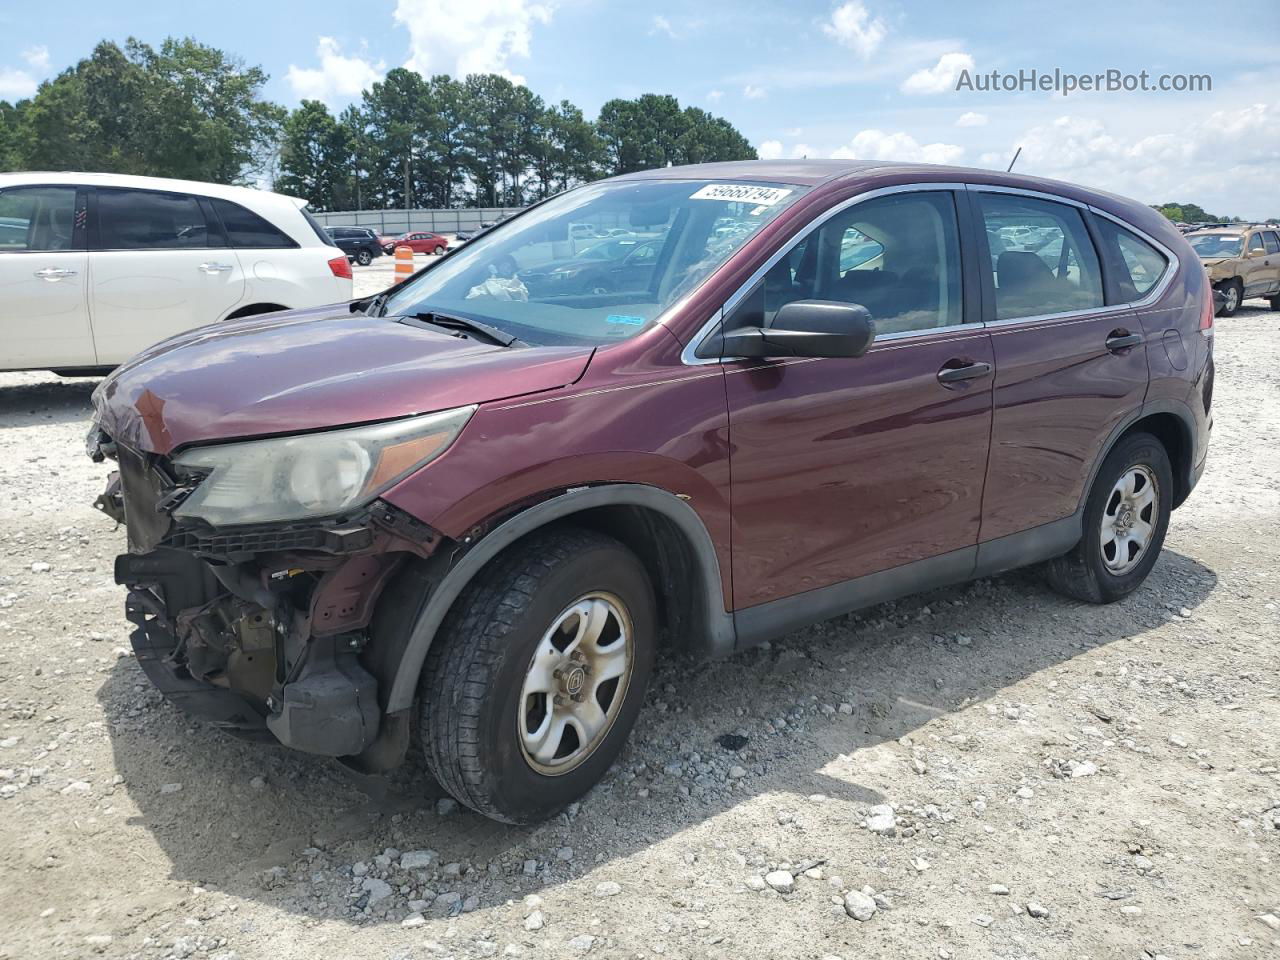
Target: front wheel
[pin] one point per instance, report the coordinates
(1125, 520)
(439, 251)
(1232, 294)
(535, 680)
(364, 258)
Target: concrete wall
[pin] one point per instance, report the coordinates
(395, 222)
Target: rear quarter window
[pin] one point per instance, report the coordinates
(1135, 265)
(246, 230)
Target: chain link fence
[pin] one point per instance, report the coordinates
(395, 222)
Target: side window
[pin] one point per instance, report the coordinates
(1255, 244)
(40, 219)
(150, 220)
(898, 256)
(1271, 242)
(1042, 260)
(246, 229)
(1135, 265)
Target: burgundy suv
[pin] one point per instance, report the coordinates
(490, 506)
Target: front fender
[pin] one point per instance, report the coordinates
(708, 590)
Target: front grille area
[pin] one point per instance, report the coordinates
(265, 541)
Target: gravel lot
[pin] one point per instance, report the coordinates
(983, 771)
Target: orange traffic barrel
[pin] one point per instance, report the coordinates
(404, 260)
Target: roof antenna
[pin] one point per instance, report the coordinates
(1014, 160)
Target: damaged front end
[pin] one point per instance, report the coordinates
(267, 630)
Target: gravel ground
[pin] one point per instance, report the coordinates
(984, 771)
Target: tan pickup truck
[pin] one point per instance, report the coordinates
(1243, 260)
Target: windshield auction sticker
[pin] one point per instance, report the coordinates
(742, 193)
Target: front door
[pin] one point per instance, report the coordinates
(847, 467)
(44, 316)
(1068, 368)
(159, 267)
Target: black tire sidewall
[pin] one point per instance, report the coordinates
(1140, 449)
(519, 792)
(1228, 311)
(364, 258)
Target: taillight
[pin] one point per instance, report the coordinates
(1206, 312)
(340, 267)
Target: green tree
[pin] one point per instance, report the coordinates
(186, 110)
(652, 131)
(317, 158)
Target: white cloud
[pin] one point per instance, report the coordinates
(17, 84)
(878, 145)
(941, 77)
(37, 58)
(851, 25)
(338, 77)
(662, 25)
(753, 92)
(715, 95)
(472, 36)
(972, 119)
(802, 150)
(1226, 158)
(769, 150)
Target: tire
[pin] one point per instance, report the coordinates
(1275, 302)
(439, 251)
(474, 708)
(1234, 293)
(364, 256)
(1094, 571)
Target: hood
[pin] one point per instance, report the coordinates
(311, 370)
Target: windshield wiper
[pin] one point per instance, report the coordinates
(451, 322)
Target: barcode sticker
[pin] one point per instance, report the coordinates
(742, 193)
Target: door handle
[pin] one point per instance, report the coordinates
(212, 268)
(955, 371)
(54, 274)
(1122, 340)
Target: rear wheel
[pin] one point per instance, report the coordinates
(1232, 293)
(1125, 520)
(539, 671)
(1275, 302)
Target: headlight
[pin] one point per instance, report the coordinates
(315, 474)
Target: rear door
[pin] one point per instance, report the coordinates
(44, 316)
(846, 467)
(160, 265)
(1068, 367)
(1270, 264)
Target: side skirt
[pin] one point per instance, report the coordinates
(766, 621)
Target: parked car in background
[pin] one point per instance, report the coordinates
(470, 512)
(465, 235)
(420, 242)
(615, 265)
(360, 244)
(94, 267)
(1242, 260)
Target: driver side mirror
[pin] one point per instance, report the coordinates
(806, 328)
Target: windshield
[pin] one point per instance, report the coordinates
(1216, 244)
(596, 264)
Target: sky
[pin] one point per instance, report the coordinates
(866, 79)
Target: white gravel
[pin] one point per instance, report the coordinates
(1072, 781)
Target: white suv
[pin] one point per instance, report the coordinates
(95, 267)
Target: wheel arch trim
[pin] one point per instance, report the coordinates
(718, 622)
(1184, 474)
